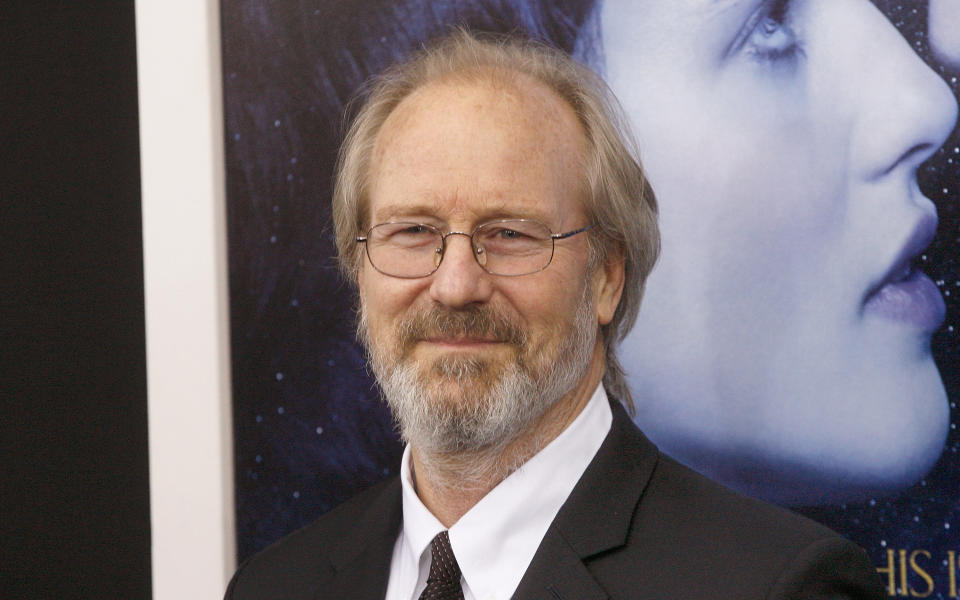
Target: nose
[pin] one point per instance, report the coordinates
(460, 281)
(907, 110)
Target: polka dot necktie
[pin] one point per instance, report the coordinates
(443, 583)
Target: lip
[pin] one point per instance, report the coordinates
(462, 342)
(904, 293)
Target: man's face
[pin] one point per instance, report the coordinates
(475, 357)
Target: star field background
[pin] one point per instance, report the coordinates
(310, 430)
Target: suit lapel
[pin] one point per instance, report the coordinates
(557, 573)
(362, 562)
(595, 518)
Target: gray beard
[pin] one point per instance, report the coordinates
(460, 405)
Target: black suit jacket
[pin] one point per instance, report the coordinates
(637, 525)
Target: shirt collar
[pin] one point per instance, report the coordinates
(419, 524)
(495, 541)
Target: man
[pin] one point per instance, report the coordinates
(499, 229)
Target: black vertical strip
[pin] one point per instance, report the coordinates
(74, 497)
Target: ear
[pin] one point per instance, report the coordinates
(608, 281)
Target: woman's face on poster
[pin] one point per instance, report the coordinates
(784, 341)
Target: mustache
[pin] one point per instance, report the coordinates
(475, 321)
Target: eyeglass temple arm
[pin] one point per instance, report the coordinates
(563, 236)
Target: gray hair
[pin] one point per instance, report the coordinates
(620, 201)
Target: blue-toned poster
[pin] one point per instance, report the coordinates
(798, 337)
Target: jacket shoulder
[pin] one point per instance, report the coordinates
(303, 562)
(688, 499)
(707, 541)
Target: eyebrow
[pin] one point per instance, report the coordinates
(392, 210)
(721, 6)
(497, 210)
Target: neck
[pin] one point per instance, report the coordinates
(450, 484)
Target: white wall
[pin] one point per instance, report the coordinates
(184, 232)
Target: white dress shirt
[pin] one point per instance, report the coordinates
(495, 540)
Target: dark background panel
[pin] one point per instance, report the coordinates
(74, 496)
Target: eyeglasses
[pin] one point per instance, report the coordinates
(509, 247)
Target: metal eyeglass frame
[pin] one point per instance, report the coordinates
(477, 250)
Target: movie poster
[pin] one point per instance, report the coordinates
(797, 340)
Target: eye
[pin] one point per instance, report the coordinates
(770, 36)
(513, 238)
(773, 41)
(509, 234)
(403, 234)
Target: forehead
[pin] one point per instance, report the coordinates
(674, 30)
(682, 11)
(470, 150)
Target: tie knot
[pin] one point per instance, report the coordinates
(444, 580)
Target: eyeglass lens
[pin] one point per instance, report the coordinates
(516, 247)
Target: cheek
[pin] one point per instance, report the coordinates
(743, 195)
(544, 301)
(383, 299)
